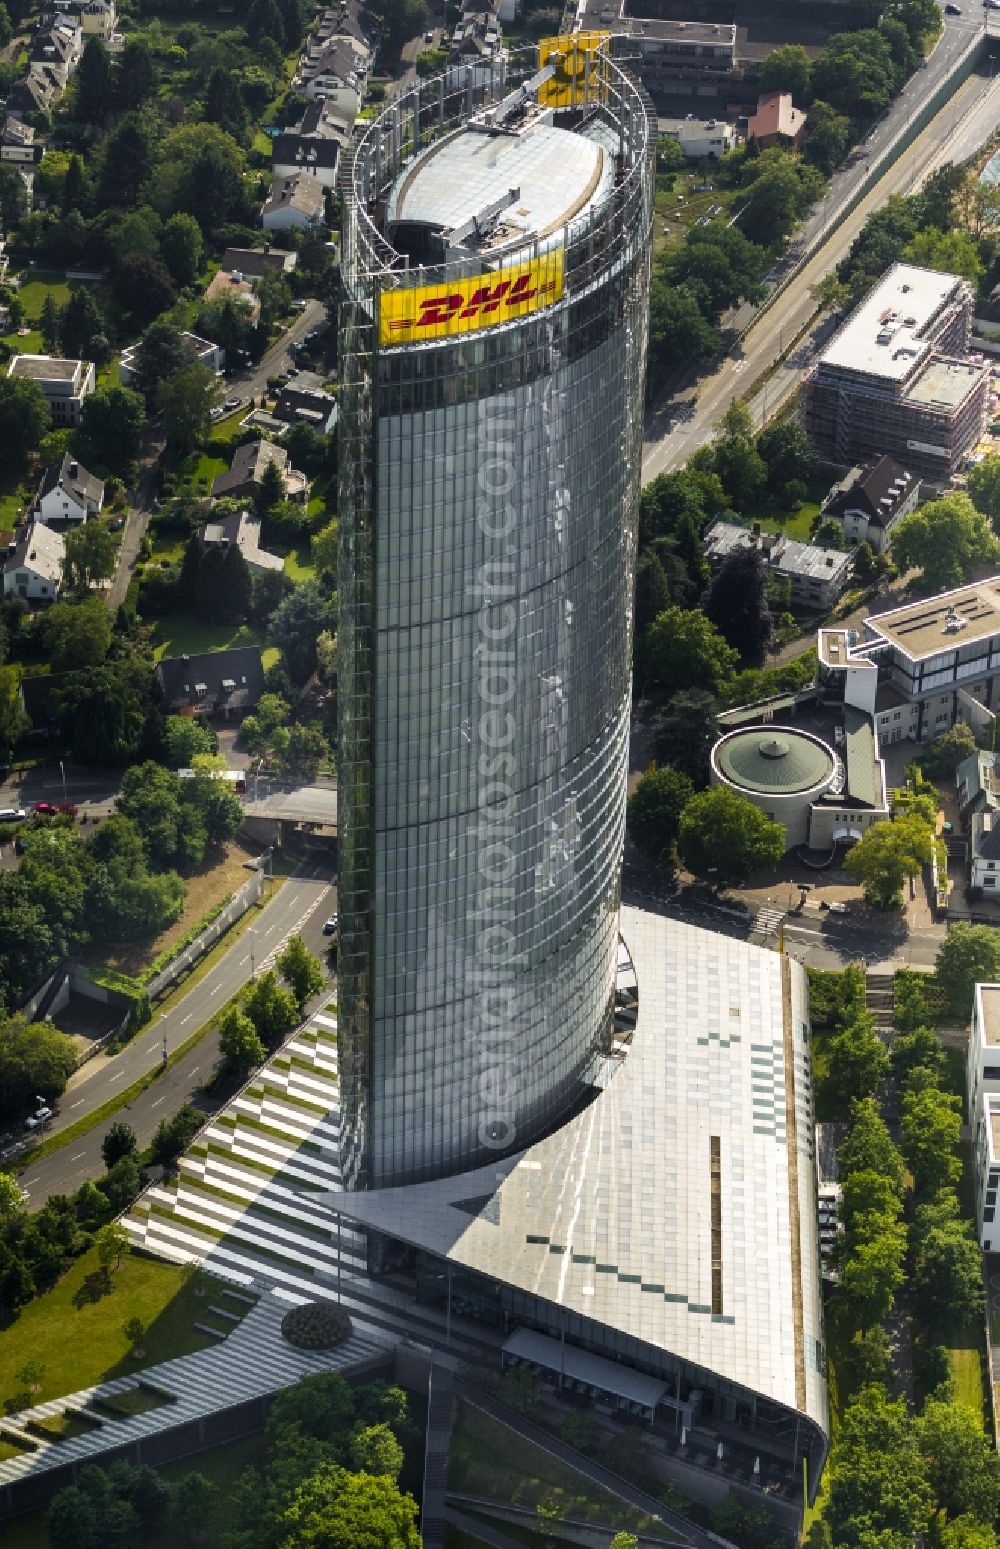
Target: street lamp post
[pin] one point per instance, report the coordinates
(253, 964)
(62, 771)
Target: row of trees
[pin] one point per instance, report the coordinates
(334, 1456)
(891, 852)
(268, 1010)
(720, 835)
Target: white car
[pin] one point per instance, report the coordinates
(12, 814)
(39, 1119)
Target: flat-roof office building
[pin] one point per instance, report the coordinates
(493, 342)
(894, 378)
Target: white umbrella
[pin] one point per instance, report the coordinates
(718, 1452)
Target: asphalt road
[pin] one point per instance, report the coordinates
(678, 426)
(301, 905)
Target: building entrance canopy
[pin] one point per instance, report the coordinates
(575, 1365)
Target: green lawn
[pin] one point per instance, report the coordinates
(178, 634)
(795, 523)
(298, 564)
(75, 1330)
(44, 283)
(680, 217)
(490, 1460)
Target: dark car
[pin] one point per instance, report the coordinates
(953, 10)
(330, 928)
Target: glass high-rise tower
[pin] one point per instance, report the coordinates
(495, 264)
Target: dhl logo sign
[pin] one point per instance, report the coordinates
(580, 75)
(420, 312)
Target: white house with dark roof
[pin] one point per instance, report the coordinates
(202, 350)
(241, 531)
(34, 569)
(68, 493)
(871, 502)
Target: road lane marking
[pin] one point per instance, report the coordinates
(117, 1076)
(155, 1101)
(78, 1156)
(78, 1102)
(244, 959)
(196, 1070)
(153, 1046)
(187, 1018)
(218, 987)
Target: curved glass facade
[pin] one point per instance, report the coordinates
(488, 498)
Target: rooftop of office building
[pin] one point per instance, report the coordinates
(942, 623)
(776, 760)
(612, 1216)
(944, 383)
(503, 179)
(989, 999)
(885, 335)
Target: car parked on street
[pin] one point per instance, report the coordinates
(12, 814)
(330, 927)
(39, 1118)
(45, 809)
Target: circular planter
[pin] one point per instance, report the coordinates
(316, 1326)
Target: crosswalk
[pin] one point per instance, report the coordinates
(767, 921)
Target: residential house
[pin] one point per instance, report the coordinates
(58, 42)
(37, 91)
(67, 494)
(242, 531)
(337, 74)
(977, 780)
(871, 501)
(293, 201)
(476, 56)
(19, 146)
(225, 284)
(303, 399)
(777, 121)
(250, 263)
(98, 19)
(65, 383)
(341, 21)
(213, 683)
(984, 848)
(314, 146)
(34, 569)
(243, 479)
(701, 137)
(203, 350)
(817, 576)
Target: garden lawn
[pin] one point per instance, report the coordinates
(178, 634)
(75, 1333)
(298, 565)
(773, 518)
(490, 1460)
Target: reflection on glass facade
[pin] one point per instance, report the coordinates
(488, 497)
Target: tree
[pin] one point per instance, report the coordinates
(787, 454)
(736, 603)
(828, 137)
(184, 738)
(49, 321)
(182, 248)
(652, 591)
(296, 624)
(71, 1520)
(366, 1511)
(186, 399)
(14, 720)
(948, 750)
(193, 1504)
(969, 955)
(95, 93)
(375, 1450)
(679, 331)
(858, 1062)
(12, 1198)
(966, 1533)
(624, 1541)
(101, 714)
(918, 1048)
(300, 970)
(887, 854)
(162, 351)
(947, 540)
(135, 75)
(35, 1059)
(199, 171)
(91, 555)
(272, 1010)
(654, 811)
(119, 1141)
(983, 484)
(109, 437)
(122, 1183)
(684, 651)
(239, 1044)
(111, 1242)
(735, 458)
(174, 1135)
(782, 190)
(133, 1329)
(224, 104)
(952, 252)
(786, 68)
(963, 1469)
(856, 74)
(24, 417)
(725, 837)
(931, 1124)
(325, 548)
(80, 323)
(877, 1476)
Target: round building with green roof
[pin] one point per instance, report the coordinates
(783, 771)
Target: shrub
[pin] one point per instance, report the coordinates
(316, 1326)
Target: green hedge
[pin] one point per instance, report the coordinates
(163, 958)
(132, 989)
